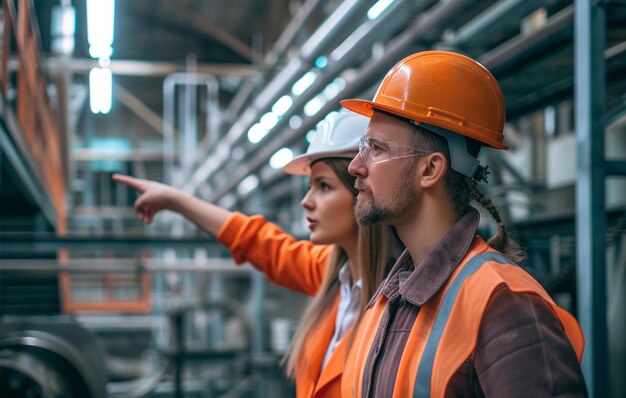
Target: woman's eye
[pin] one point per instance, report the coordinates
(324, 186)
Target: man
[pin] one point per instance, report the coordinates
(455, 317)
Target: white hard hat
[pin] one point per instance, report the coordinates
(337, 137)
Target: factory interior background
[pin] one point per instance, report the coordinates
(214, 97)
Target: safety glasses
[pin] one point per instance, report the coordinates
(374, 150)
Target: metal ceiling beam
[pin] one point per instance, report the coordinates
(126, 266)
(270, 63)
(429, 26)
(37, 243)
(140, 109)
(142, 155)
(129, 67)
(517, 49)
(323, 39)
(201, 23)
(495, 17)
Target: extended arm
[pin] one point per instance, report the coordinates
(298, 265)
(155, 197)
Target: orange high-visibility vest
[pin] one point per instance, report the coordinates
(300, 266)
(446, 329)
(311, 379)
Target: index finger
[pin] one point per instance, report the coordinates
(132, 182)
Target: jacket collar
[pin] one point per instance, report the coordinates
(418, 284)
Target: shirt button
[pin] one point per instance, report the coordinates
(401, 302)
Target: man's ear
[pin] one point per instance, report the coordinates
(432, 169)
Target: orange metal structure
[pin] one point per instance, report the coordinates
(42, 136)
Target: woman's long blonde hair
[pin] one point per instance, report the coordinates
(378, 248)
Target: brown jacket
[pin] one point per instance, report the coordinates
(499, 335)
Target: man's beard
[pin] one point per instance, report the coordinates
(368, 213)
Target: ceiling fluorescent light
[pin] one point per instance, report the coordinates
(247, 185)
(378, 8)
(100, 27)
(268, 120)
(303, 83)
(100, 90)
(282, 105)
(281, 158)
(314, 105)
(256, 133)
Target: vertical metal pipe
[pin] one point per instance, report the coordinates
(589, 89)
(257, 310)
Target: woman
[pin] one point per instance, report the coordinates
(342, 276)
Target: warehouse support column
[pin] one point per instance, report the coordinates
(589, 36)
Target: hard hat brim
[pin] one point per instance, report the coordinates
(366, 108)
(301, 165)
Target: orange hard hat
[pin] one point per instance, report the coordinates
(444, 89)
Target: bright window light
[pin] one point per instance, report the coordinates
(303, 83)
(269, 120)
(314, 105)
(378, 8)
(100, 90)
(281, 158)
(247, 185)
(100, 27)
(282, 105)
(256, 133)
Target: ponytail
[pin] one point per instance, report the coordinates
(501, 241)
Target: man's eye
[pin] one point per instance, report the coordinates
(375, 147)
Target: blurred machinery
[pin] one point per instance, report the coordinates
(50, 358)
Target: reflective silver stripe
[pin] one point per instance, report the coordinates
(425, 369)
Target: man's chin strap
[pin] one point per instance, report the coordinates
(460, 159)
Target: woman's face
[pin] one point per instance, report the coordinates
(328, 207)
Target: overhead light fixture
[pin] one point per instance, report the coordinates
(63, 29)
(281, 158)
(314, 105)
(282, 105)
(309, 135)
(268, 120)
(304, 82)
(247, 185)
(378, 8)
(100, 27)
(334, 88)
(321, 62)
(295, 121)
(256, 133)
(100, 90)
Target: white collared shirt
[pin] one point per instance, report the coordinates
(350, 298)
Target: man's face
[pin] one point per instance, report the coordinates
(386, 189)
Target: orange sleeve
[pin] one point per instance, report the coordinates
(297, 265)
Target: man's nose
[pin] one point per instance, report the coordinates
(357, 167)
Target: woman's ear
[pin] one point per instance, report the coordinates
(432, 169)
